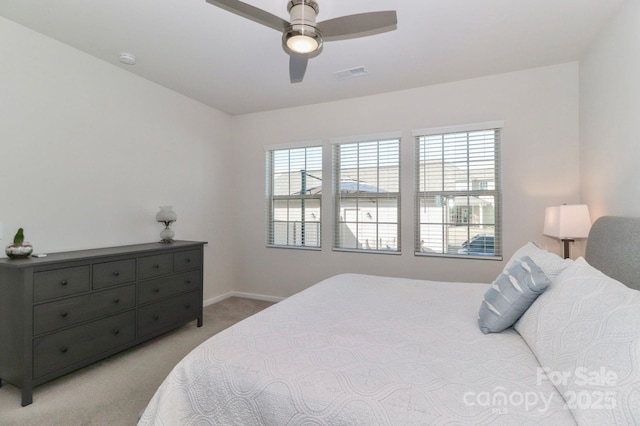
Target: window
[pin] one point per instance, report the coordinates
(294, 190)
(458, 200)
(367, 195)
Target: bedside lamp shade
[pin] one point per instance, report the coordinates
(567, 222)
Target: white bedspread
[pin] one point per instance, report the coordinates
(358, 349)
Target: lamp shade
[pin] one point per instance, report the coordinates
(567, 221)
(166, 214)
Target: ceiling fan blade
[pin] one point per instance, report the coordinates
(253, 13)
(297, 67)
(360, 25)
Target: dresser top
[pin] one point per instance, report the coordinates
(134, 249)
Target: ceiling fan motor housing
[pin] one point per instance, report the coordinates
(302, 36)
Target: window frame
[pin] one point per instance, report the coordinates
(270, 197)
(336, 144)
(469, 192)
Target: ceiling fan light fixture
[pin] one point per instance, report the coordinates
(303, 43)
(302, 36)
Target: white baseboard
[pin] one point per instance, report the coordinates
(217, 299)
(242, 294)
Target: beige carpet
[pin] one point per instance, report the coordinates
(116, 390)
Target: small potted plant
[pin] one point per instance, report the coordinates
(20, 248)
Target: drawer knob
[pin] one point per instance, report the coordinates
(187, 260)
(156, 266)
(187, 282)
(63, 282)
(116, 273)
(187, 306)
(116, 331)
(156, 290)
(64, 314)
(156, 317)
(63, 349)
(116, 301)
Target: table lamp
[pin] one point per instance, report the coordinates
(166, 216)
(567, 222)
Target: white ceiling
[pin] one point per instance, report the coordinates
(238, 66)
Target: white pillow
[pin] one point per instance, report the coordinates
(585, 332)
(550, 263)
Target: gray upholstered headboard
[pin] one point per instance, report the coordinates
(613, 247)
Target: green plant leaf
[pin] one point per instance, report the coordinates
(19, 238)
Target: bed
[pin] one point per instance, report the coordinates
(360, 349)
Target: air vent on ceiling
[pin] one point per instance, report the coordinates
(350, 73)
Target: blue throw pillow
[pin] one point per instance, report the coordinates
(511, 294)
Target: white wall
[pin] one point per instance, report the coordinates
(610, 118)
(540, 168)
(89, 152)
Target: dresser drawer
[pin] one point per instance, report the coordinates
(160, 288)
(155, 266)
(184, 260)
(60, 282)
(59, 350)
(163, 314)
(63, 313)
(108, 274)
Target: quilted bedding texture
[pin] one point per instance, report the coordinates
(359, 349)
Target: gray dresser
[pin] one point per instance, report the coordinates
(67, 310)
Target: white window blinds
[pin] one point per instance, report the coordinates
(458, 200)
(294, 191)
(367, 195)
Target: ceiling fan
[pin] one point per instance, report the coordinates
(302, 37)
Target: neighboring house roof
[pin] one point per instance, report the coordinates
(349, 187)
(376, 180)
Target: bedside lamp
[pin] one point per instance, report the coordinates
(567, 222)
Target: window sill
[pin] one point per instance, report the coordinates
(294, 247)
(458, 256)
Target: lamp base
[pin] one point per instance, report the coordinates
(167, 235)
(565, 250)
